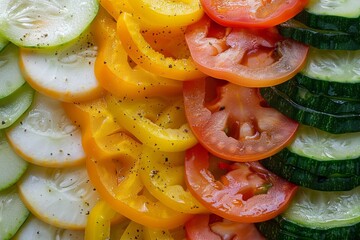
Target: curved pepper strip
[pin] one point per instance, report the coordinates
(100, 133)
(118, 183)
(115, 72)
(168, 13)
(99, 221)
(174, 66)
(115, 7)
(157, 122)
(163, 174)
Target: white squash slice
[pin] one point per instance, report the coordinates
(61, 197)
(45, 136)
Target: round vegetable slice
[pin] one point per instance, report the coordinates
(250, 13)
(46, 136)
(240, 192)
(45, 23)
(11, 77)
(234, 122)
(245, 56)
(34, 228)
(3, 42)
(65, 73)
(12, 166)
(62, 197)
(13, 213)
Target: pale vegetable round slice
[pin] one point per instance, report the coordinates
(12, 166)
(45, 23)
(13, 213)
(15, 105)
(61, 197)
(46, 136)
(11, 78)
(34, 228)
(3, 42)
(65, 73)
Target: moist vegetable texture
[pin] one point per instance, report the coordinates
(197, 119)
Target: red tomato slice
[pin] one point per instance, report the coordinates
(245, 56)
(210, 226)
(246, 192)
(234, 122)
(250, 13)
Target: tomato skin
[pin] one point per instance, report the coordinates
(234, 124)
(245, 56)
(247, 193)
(260, 14)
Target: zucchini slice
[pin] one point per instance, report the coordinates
(334, 73)
(344, 123)
(11, 78)
(322, 39)
(317, 215)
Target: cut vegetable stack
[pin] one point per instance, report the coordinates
(324, 158)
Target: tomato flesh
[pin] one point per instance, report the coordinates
(233, 122)
(246, 192)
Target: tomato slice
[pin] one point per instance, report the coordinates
(245, 56)
(234, 122)
(211, 226)
(250, 13)
(240, 192)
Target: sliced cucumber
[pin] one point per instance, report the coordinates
(343, 8)
(13, 213)
(65, 73)
(318, 102)
(322, 39)
(332, 123)
(13, 106)
(334, 73)
(61, 197)
(34, 228)
(317, 215)
(10, 76)
(45, 23)
(12, 166)
(47, 129)
(3, 42)
(326, 182)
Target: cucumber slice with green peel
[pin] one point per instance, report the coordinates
(332, 72)
(33, 228)
(3, 42)
(47, 128)
(45, 23)
(304, 178)
(65, 73)
(316, 214)
(342, 8)
(11, 78)
(317, 102)
(322, 39)
(14, 106)
(13, 213)
(332, 123)
(12, 166)
(61, 197)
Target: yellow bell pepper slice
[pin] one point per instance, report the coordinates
(170, 13)
(163, 175)
(157, 122)
(172, 61)
(115, 71)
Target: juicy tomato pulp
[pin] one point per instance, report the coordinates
(250, 13)
(233, 122)
(240, 192)
(245, 56)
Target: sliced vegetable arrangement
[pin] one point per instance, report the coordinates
(194, 119)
